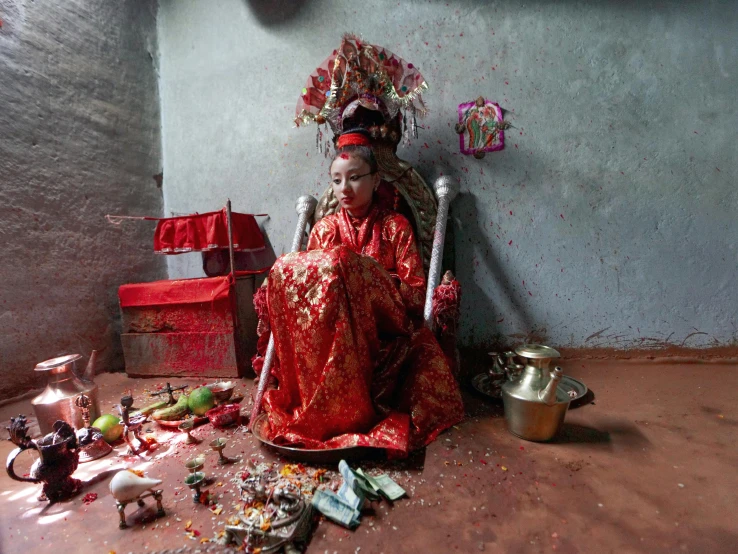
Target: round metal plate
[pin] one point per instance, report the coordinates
(93, 451)
(536, 351)
(316, 456)
(483, 384)
(57, 362)
(575, 389)
(173, 424)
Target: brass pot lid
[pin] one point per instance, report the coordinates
(57, 362)
(536, 351)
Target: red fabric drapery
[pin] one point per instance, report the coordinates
(351, 366)
(178, 291)
(208, 231)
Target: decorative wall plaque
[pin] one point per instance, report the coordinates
(481, 127)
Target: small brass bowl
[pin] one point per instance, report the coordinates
(222, 391)
(219, 443)
(195, 479)
(195, 465)
(187, 427)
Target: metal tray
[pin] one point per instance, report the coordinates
(315, 456)
(484, 385)
(574, 388)
(174, 423)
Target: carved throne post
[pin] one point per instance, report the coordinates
(446, 191)
(442, 302)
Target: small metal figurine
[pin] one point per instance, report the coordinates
(169, 390)
(132, 424)
(285, 508)
(92, 445)
(59, 459)
(258, 487)
(128, 486)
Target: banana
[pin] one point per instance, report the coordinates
(148, 410)
(173, 413)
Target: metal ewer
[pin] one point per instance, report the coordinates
(535, 405)
(305, 207)
(59, 458)
(63, 386)
(446, 190)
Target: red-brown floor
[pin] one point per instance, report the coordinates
(649, 466)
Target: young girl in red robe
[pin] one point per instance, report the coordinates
(354, 364)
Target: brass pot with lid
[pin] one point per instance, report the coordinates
(535, 407)
(63, 386)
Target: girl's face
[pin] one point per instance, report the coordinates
(353, 184)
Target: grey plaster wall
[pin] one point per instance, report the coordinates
(79, 138)
(609, 220)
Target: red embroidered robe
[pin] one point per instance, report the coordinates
(354, 364)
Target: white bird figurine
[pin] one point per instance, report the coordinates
(129, 484)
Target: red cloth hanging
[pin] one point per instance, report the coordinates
(208, 231)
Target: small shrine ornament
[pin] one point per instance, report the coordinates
(481, 127)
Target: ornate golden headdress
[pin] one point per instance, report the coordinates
(356, 75)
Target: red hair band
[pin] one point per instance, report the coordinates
(353, 139)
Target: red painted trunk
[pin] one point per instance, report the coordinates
(189, 327)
